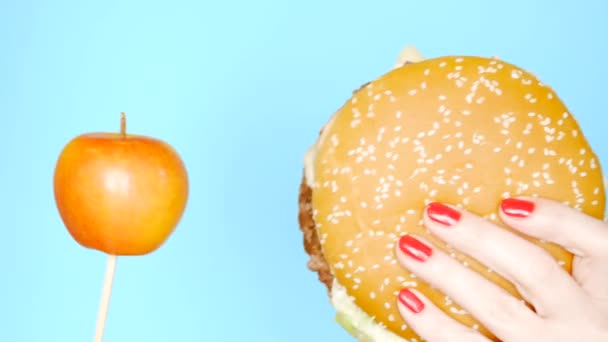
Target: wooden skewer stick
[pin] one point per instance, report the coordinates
(106, 291)
(105, 298)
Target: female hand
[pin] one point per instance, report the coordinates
(568, 307)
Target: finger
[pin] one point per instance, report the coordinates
(497, 310)
(424, 318)
(526, 265)
(581, 234)
(592, 275)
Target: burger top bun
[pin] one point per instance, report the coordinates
(464, 130)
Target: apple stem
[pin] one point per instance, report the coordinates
(123, 124)
(105, 298)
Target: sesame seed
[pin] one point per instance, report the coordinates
(457, 311)
(469, 98)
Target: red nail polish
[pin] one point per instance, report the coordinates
(442, 214)
(414, 248)
(516, 207)
(410, 301)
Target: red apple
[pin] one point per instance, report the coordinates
(119, 193)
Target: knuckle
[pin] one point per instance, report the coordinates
(504, 313)
(539, 269)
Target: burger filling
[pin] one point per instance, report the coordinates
(355, 321)
(350, 316)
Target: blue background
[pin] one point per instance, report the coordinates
(241, 89)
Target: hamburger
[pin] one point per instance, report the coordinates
(464, 130)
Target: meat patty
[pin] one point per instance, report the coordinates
(312, 245)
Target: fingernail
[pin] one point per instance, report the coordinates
(410, 301)
(414, 248)
(516, 207)
(442, 214)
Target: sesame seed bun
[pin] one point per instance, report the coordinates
(463, 130)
